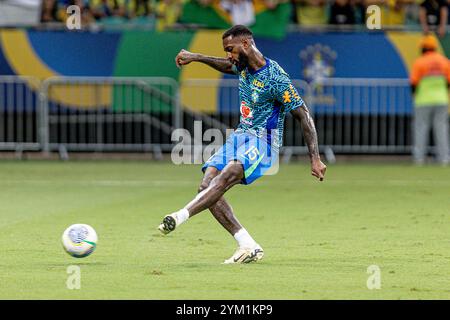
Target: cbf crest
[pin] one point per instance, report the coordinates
(318, 63)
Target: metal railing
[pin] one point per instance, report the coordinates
(109, 114)
(18, 117)
(363, 115)
(139, 114)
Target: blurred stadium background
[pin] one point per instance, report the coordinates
(113, 85)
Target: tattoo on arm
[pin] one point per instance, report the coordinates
(220, 64)
(309, 130)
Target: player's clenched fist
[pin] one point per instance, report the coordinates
(318, 169)
(184, 57)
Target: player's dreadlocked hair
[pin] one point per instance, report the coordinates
(238, 30)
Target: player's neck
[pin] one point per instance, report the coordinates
(256, 60)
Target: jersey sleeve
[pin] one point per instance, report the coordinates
(285, 93)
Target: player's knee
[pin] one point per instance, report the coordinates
(210, 174)
(226, 179)
(218, 184)
(203, 186)
(233, 173)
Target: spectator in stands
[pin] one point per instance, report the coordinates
(433, 16)
(311, 12)
(242, 12)
(140, 8)
(167, 13)
(341, 13)
(412, 12)
(49, 11)
(271, 4)
(448, 11)
(395, 12)
(294, 14)
(430, 79)
(360, 11)
(205, 3)
(108, 8)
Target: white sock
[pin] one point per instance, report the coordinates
(182, 215)
(244, 239)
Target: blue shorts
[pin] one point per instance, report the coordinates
(255, 154)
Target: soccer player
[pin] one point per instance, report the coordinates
(266, 95)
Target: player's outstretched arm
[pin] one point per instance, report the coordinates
(309, 133)
(221, 64)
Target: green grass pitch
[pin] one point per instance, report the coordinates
(319, 238)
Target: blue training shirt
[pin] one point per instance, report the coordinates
(266, 95)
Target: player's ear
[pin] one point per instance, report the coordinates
(245, 43)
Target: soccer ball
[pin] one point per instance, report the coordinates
(79, 240)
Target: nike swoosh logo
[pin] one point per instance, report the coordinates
(250, 170)
(237, 259)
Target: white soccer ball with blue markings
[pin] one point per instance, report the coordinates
(79, 240)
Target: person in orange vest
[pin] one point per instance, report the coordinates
(430, 80)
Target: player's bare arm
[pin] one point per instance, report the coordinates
(220, 64)
(310, 134)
